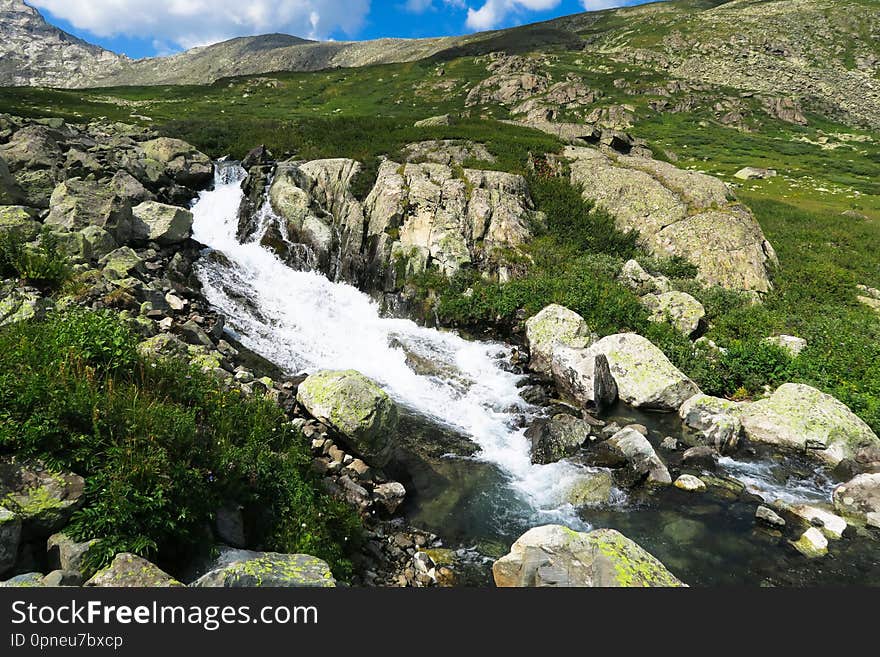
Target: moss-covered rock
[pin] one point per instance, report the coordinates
(557, 437)
(43, 499)
(812, 544)
(245, 569)
(121, 263)
(553, 327)
(591, 488)
(712, 421)
(19, 306)
(680, 309)
(10, 536)
(357, 408)
(19, 220)
(132, 571)
(859, 499)
(181, 161)
(158, 222)
(553, 555)
(799, 417)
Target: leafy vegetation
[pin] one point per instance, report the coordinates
(162, 446)
(43, 264)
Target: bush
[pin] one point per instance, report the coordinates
(161, 446)
(44, 264)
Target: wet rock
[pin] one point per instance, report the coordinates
(131, 571)
(831, 525)
(390, 496)
(229, 525)
(359, 410)
(689, 483)
(157, 222)
(631, 447)
(680, 309)
(64, 553)
(702, 457)
(553, 327)
(43, 499)
(556, 438)
(591, 488)
(10, 536)
(556, 556)
(714, 420)
(859, 499)
(799, 417)
(812, 544)
(769, 516)
(246, 569)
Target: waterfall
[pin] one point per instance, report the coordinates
(303, 322)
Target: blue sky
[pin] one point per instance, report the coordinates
(141, 28)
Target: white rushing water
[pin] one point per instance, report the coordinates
(303, 322)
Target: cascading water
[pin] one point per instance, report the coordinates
(303, 322)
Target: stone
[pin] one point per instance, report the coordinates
(830, 524)
(669, 443)
(78, 203)
(591, 489)
(26, 580)
(183, 163)
(20, 221)
(799, 417)
(434, 121)
(390, 496)
(556, 438)
(359, 410)
(157, 222)
(229, 525)
(769, 517)
(43, 499)
(131, 571)
(193, 334)
(556, 556)
(714, 421)
(637, 452)
(121, 263)
(10, 536)
(555, 326)
(792, 344)
(60, 578)
(754, 173)
(690, 483)
(246, 569)
(66, 554)
(680, 309)
(859, 499)
(702, 456)
(10, 193)
(634, 277)
(812, 544)
(19, 306)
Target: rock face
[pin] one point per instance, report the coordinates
(245, 569)
(556, 438)
(553, 555)
(553, 327)
(131, 571)
(860, 499)
(678, 212)
(800, 417)
(44, 500)
(353, 405)
(157, 222)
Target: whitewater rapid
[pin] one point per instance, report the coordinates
(304, 322)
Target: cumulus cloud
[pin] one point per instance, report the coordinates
(189, 23)
(596, 5)
(494, 12)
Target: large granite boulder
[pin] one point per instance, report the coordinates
(680, 309)
(78, 203)
(42, 498)
(182, 162)
(799, 417)
(359, 410)
(158, 222)
(131, 571)
(859, 499)
(555, 326)
(246, 569)
(556, 556)
(632, 448)
(712, 421)
(557, 437)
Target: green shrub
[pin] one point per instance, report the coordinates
(43, 264)
(161, 446)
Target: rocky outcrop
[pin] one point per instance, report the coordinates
(360, 411)
(555, 326)
(131, 571)
(556, 556)
(799, 417)
(678, 212)
(246, 569)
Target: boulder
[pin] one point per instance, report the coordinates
(434, 121)
(77, 203)
(43, 498)
(584, 377)
(229, 525)
(121, 263)
(556, 438)
(131, 571)
(823, 519)
(799, 417)
(157, 222)
(754, 173)
(246, 569)
(859, 499)
(183, 163)
(19, 306)
(632, 448)
(634, 277)
(359, 410)
(66, 554)
(33, 147)
(712, 421)
(812, 544)
(27, 580)
(701, 457)
(591, 488)
(678, 308)
(10, 536)
(390, 496)
(556, 556)
(690, 483)
(10, 193)
(555, 326)
(20, 221)
(791, 343)
(769, 517)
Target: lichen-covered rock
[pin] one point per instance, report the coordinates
(10, 194)
(591, 488)
(43, 499)
(555, 326)
(121, 263)
(556, 438)
(78, 203)
(20, 221)
(680, 309)
(132, 571)
(678, 212)
(556, 556)
(165, 224)
(19, 306)
(799, 417)
(358, 409)
(66, 554)
(631, 447)
(164, 345)
(713, 421)
(10, 536)
(812, 544)
(245, 569)
(25, 581)
(634, 277)
(183, 163)
(450, 152)
(859, 499)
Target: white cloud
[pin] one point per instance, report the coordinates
(421, 6)
(493, 12)
(189, 23)
(597, 5)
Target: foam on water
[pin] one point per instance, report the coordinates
(304, 322)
